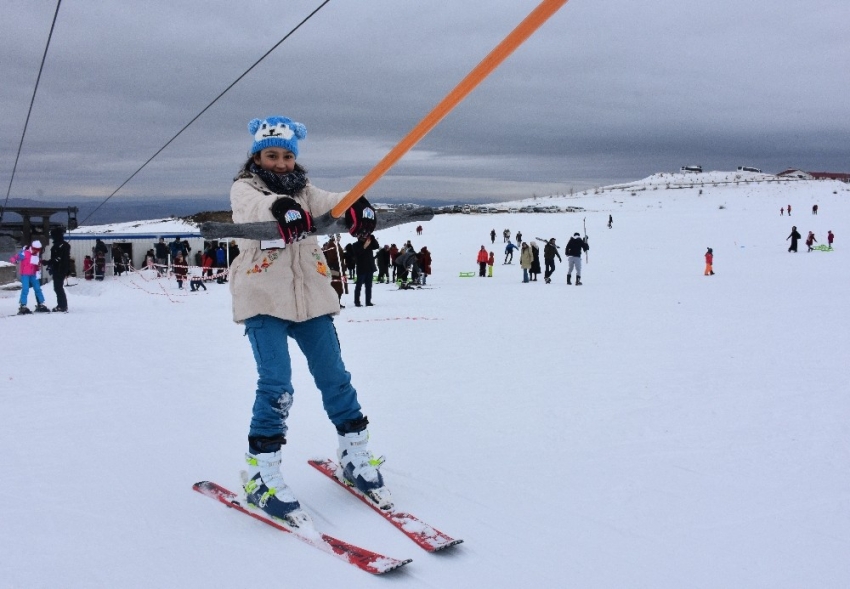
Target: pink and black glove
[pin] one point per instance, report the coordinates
(293, 222)
(360, 218)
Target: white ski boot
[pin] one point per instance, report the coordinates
(266, 490)
(360, 469)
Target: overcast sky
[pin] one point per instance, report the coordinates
(605, 91)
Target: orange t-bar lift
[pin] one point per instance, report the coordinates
(514, 39)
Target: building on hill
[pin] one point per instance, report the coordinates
(794, 173)
(841, 177)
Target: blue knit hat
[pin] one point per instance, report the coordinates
(276, 132)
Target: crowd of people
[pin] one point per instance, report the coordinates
(358, 262)
(529, 256)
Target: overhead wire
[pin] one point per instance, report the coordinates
(206, 108)
(29, 111)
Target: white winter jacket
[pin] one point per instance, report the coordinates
(292, 283)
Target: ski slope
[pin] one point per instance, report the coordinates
(652, 428)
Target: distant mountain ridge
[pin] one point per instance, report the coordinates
(120, 211)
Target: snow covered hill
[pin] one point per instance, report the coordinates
(652, 428)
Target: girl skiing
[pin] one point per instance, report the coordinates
(30, 259)
(282, 289)
(709, 261)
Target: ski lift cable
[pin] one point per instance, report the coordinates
(29, 112)
(206, 108)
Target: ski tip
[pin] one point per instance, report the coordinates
(394, 566)
(449, 544)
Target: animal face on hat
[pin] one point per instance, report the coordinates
(276, 132)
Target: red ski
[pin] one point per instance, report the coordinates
(425, 536)
(371, 562)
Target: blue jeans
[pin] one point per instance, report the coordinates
(318, 341)
(525, 274)
(26, 283)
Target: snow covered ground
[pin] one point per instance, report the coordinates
(651, 428)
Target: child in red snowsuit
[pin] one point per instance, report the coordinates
(709, 260)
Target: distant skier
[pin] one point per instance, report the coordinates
(795, 235)
(829, 238)
(550, 250)
(30, 264)
(492, 236)
(509, 252)
(491, 261)
(506, 234)
(789, 210)
(782, 211)
(709, 261)
(814, 209)
(610, 221)
(60, 266)
(573, 252)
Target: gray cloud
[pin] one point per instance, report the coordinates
(606, 91)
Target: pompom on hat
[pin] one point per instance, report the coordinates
(36, 245)
(276, 132)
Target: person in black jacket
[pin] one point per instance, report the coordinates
(364, 262)
(573, 251)
(550, 250)
(60, 265)
(348, 260)
(161, 253)
(794, 237)
(534, 271)
(383, 260)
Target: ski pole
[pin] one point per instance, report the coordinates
(584, 225)
(515, 38)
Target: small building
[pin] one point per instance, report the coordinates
(841, 177)
(134, 238)
(794, 173)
